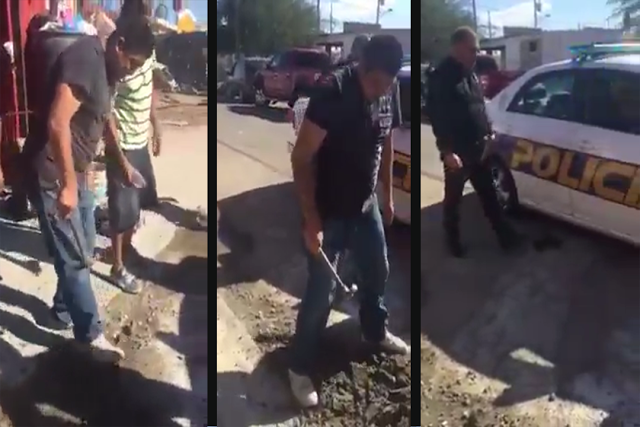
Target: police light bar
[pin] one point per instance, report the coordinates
(591, 52)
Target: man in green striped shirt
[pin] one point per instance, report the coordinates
(132, 125)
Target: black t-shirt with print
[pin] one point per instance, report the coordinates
(349, 158)
(79, 61)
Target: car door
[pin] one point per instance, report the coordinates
(281, 75)
(270, 77)
(610, 201)
(538, 132)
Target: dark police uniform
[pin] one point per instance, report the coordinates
(460, 124)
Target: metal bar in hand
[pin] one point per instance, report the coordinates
(349, 291)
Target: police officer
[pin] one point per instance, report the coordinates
(343, 146)
(462, 130)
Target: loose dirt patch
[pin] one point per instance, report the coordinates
(357, 385)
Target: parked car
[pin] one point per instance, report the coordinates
(493, 79)
(241, 78)
(401, 137)
(290, 75)
(567, 138)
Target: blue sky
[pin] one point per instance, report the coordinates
(394, 13)
(562, 14)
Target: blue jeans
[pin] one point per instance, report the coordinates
(71, 244)
(365, 238)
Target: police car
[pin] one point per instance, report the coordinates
(568, 140)
(401, 137)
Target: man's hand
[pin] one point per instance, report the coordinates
(312, 233)
(388, 212)
(156, 144)
(452, 161)
(67, 201)
(127, 173)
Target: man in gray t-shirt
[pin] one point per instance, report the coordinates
(69, 121)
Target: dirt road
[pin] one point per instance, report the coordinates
(548, 337)
(260, 277)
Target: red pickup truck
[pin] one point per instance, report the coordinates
(290, 75)
(492, 78)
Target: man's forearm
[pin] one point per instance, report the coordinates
(60, 140)
(305, 182)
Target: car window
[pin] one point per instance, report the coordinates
(276, 61)
(613, 101)
(549, 95)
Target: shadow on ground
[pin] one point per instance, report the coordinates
(63, 386)
(357, 385)
(271, 114)
(566, 300)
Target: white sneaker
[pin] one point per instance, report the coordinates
(303, 390)
(393, 344)
(104, 351)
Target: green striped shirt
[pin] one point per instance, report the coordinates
(132, 106)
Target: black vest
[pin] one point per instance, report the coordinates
(349, 158)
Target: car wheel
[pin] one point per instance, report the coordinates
(504, 186)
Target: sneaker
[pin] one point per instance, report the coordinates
(303, 390)
(125, 281)
(104, 351)
(393, 344)
(58, 321)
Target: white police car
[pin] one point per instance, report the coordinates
(401, 137)
(568, 140)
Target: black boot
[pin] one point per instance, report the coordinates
(510, 240)
(453, 244)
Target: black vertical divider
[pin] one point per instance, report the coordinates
(416, 276)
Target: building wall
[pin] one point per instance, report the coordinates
(552, 46)
(402, 34)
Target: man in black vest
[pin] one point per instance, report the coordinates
(343, 146)
(68, 124)
(462, 129)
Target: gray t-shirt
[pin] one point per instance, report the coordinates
(81, 65)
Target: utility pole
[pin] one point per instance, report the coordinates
(489, 24)
(475, 16)
(331, 18)
(378, 5)
(535, 13)
(318, 13)
(237, 24)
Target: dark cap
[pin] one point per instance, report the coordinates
(383, 53)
